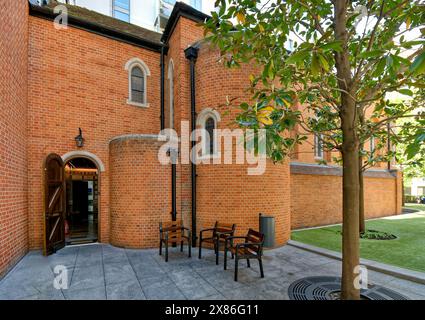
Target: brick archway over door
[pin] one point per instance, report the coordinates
(103, 230)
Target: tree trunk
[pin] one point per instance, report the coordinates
(350, 158)
(351, 200)
(362, 224)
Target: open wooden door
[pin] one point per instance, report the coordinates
(54, 206)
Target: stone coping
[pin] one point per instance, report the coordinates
(154, 137)
(402, 273)
(329, 170)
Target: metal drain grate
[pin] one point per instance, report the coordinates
(325, 288)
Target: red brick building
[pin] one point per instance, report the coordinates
(121, 84)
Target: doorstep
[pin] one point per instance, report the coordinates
(402, 273)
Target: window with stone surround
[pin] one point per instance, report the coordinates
(138, 72)
(318, 146)
(208, 120)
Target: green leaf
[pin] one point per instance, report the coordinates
(326, 35)
(412, 150)
(407, 92)
(379, 69)
(420, 137)
(418, 65)
(390, 61)
(315, 65)
(297, 56)
(323, 62)
(335, 45)
(244, 106)
(409, 44)
(417, 84)
(371, 54)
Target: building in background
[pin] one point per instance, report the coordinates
(151, 14)
(418, 187)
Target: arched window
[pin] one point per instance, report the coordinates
(138, 72)
(171, 88)
(372, 145)
(137, 85)
(208, 120)
(318, 146)
(209, 127)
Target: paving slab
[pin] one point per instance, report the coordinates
(118, 272)
(104, 272)
(130, 290)
(97, 293)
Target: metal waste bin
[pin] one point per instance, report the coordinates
(267, 227)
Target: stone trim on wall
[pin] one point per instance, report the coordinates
(84, 154)
(157, 137)
(326, 170)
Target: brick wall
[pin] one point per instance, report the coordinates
(186, 33)
(77, 80)
(13, 135)
(316, 200)
(140, 192)
(305, 152)
(226, 192)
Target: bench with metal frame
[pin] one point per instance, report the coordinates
(173, 232)
(251, 248)
(218, 235)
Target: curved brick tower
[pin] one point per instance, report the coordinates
(139, 196)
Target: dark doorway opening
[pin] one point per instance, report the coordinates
(82, 197)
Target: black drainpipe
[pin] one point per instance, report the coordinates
(173, 192)
(162, 85)
(191, 53)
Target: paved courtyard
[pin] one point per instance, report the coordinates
(105, 272)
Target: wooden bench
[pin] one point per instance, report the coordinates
(173, 232)
(217, 236)
(250, 248)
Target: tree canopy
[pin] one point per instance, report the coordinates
(338, 59)
(294, 44)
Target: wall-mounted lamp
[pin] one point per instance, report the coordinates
(79, 140)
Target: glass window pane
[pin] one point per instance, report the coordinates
(209, 127)
(122, 16)
(137, 96)
(124, 4)
(136, 71)
(137, 83)
(197, 4)
(318, 146)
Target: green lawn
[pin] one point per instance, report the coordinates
(415, 206)
(407, 251)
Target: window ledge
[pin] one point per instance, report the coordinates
(136, 104)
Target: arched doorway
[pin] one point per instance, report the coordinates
(82, 201)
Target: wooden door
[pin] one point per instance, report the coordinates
(54, 206)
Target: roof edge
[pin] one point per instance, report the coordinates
(182, 9)
(47, 13)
